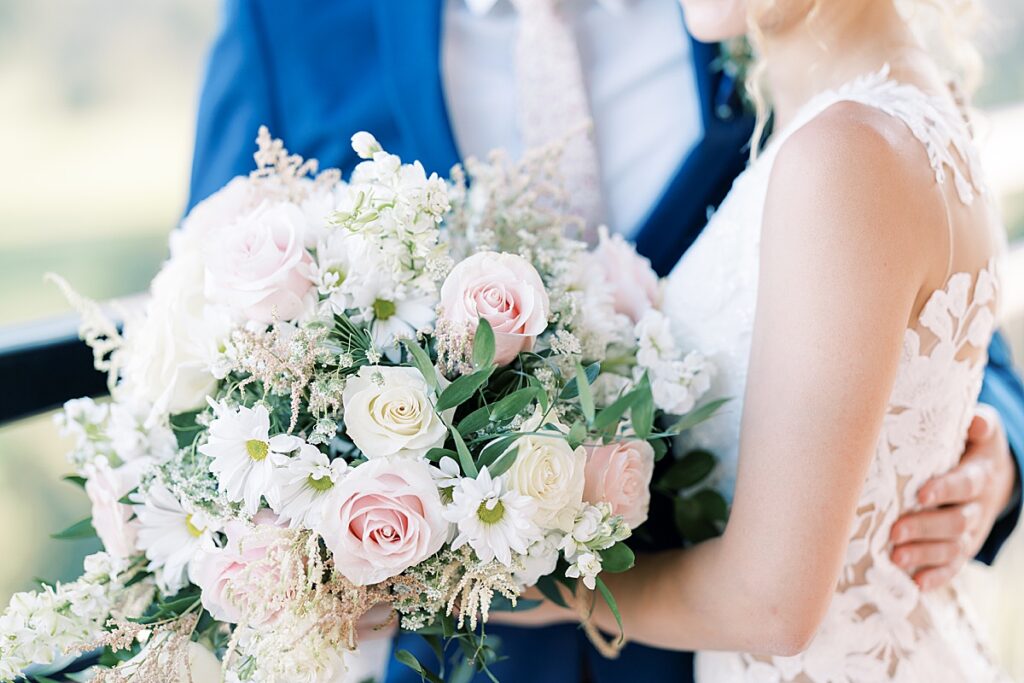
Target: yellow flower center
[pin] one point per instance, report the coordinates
(257, 449)
(383, 309)
(491, 515)
(319, 484)
(193, 530)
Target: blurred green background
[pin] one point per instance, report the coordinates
(97, 123)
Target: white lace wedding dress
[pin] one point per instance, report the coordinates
(879, 626)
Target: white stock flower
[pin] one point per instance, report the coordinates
(365, 145)
(551, 473)
(540, 559)
(494, 520)
(304, 481)
(390, 411)
(170, 535)
(245, 455)
(587, 566)
(677, 381)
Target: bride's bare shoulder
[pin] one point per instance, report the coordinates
(856, 180)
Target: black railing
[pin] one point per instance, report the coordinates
(43, 364)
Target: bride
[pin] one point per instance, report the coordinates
(847, 289)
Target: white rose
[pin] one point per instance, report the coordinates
(551, 473)
(170, 350)
(389, 411)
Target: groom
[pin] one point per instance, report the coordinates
(439, 80)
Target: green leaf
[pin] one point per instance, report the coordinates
(495, 449)
(185, 428)
(503, 463)
(695, 517)
(660, 447)
(483, 345)
(612, 605)
(611, 414)
(549, 588)
(585, 394)
(618, 558)
(571, 389)
(542, 393)
(409, 659)
(712, 505)
(688, 471)
(513, 404)
(475, 421)
(462, 389)
(422, 361)
(642, 413)
(696, 416)
(83, 529)
(577, 434)
(465, 458)
(75, 479)
(435, 454)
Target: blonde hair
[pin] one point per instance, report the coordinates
(944, 27)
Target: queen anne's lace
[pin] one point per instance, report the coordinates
(879, 627)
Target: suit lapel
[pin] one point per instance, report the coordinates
(705, 176)
(410, 44)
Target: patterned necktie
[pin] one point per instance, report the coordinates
(553, 104)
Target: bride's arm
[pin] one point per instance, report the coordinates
(849, 237)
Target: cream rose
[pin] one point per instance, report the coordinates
(390, 411)
(503, 289)
(551, 473)
(629, 275)
(620, 474)
(259, 265)
(383, 518)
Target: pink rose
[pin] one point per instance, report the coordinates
(384, 517)
(503, 289)
(634, 284)
(235, 579)
(620, 474)
(112, 519)
(260, 266)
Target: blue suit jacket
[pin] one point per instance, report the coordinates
(316, 71)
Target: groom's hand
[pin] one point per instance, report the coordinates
(958, 508)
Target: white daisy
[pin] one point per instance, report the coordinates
(245, 456)
(400, 319)
(493, 519)
(303, 483)
(169, 534)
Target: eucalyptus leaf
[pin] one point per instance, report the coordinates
(82, 529)
(483, 345)
(688, 471)
(465, 457)
(475, 421)
(696, 416)
(585, 394)
(610, 415)
(602, 588)
(642, 411)
(571, 388)
(462, 389)
(513, 404)
(75, 479)
(549, 588)
(577, 434)
(435, 454)
(422, 362)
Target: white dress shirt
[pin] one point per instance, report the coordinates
(640, 82)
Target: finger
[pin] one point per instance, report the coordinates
(936, 577)
(944, 524)
(962, 484)
(926, 554)
(984, 424)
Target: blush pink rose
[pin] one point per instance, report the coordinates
(385, 516)
(503, 289)
(111, 519)
(259, 265)
(634, 284)
(620, 474)
(235, 579)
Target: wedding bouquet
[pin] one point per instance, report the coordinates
(397, 390)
